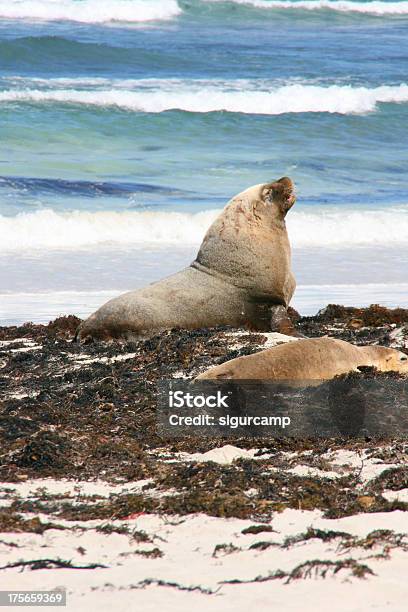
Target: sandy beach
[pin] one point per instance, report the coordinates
(253, 154)
(93, 501)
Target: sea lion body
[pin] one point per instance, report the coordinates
(307, 360)
(241, 273)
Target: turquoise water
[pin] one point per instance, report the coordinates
(126, 125)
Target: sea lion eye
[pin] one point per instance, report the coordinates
(403, 358)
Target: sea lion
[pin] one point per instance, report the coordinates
(307, 360)
(241, 276)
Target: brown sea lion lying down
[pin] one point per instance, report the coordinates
(312, 359)
(241, 276)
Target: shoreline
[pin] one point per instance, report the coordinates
(18, 308)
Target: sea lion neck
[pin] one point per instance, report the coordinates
(248, 244)
(275, 216)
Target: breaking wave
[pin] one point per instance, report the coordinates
(90, 11)
(375, 7)
(47, 229)
(197, 96)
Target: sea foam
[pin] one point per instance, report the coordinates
(249, 97)
(47, 229)
(137, 11)
(374, 7)
(90, 11)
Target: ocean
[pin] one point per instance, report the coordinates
(126, 125)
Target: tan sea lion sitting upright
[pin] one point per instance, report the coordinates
(241, 276)
(314, 359)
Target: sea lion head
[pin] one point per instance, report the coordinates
(279, 195)
(263, 201)
(388, 359)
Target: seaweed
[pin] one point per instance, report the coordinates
(89, 412)
(37, 564)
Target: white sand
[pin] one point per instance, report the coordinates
(188, 561)
(225, 455)
(187, 544)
